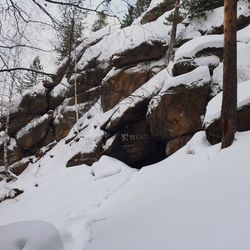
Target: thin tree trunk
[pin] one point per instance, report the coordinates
(229, 102)
(173, 32)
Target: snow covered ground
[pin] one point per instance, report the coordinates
(196, 199)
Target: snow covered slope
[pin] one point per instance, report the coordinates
(196, 199)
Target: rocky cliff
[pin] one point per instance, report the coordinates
(116, 96)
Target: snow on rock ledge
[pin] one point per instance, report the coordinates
(212, 117)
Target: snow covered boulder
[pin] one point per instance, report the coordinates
(33, 101)
(156, 11)
(134, 145)
(33, 132)
(179, 107)
(30, 235)
(91, 75)
(149, 50)
(122, 83)
(86, 157)
(200, 51)
(212, 119)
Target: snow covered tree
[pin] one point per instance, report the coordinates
(229, 102)
(31, 78)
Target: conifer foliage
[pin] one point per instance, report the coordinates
(69, 30)
(134, 11)
(31, 78)
(198, 8)
(100, 22)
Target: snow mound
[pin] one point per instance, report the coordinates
(30, 235)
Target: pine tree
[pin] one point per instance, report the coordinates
(69, 30)
(31, 78)
(100, 22)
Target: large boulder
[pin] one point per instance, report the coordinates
(178, 110)
(17, 121)
(34, 102)
(120, 85)
(144, 52)
(157, 11)
(88, 157)
(134, 107)
(33, 132)
(91, 75)
(135, 146)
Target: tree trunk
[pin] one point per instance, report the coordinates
(173, 32)
(229, 102)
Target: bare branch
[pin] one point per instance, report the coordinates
(25, 69)
(79, 7)
(24, 46)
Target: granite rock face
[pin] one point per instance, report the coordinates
(179, 112)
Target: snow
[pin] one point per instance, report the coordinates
(189, 49)
(30, 235)
(214, 106)
(186, 202)
(243, 35)
(196, 199)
